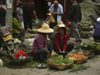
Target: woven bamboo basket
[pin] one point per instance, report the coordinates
(21, 46)
(80, 61)
(60, 67)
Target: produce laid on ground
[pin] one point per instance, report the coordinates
(60, 62)
(34, 30)
(78, 67)
(78, 56)
(93, 47)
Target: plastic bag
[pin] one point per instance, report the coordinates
(37, 20)
(51, 19)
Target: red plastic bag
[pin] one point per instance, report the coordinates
(19, 53)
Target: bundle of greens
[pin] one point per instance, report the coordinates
(98, 47)
(91, 45)
(60, 61)
(78, 67)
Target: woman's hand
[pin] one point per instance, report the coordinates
(60, 51)
(63, 51)
(48, 52)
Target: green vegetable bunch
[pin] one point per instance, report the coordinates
(78, 67)
(60, 61)
(89, 45)
(98, 47)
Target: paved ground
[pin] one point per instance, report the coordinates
(93, 70)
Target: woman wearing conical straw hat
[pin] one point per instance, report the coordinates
(40, 45)
(61, 39)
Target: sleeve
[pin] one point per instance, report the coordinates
(16, 24)
(40, 42)
(61, 9)
(71, 13)
(56, 42)
(50, 9)
(65, 43)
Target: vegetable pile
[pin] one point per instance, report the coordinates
(89, 45)
(61, 61)
(78, 67)
(98, 47)
(78, 56)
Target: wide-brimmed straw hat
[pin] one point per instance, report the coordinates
(45, 29)
(98, 20)
(62, 25)
(60, 22)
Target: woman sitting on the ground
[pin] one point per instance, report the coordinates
(17, 30)
(40, 45)
(96, 34)
(61, 39)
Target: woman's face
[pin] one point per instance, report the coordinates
(61, 31)
(17, 16)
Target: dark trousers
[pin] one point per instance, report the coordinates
(2, 20)
(68, 49)
(96, 38)
(28, 21)
(43, 52)
(22, 33)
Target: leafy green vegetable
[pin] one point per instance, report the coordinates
(78, 67)
(91, 45)
(59, 60)
(33, 63)
(98, 47)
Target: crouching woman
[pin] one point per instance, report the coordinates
(40, 45)
(61, 39)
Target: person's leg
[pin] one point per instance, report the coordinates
(76, 31)
(50, 47)
(30, 21)
(42, 52)
(70, 32)
(95, 38)
(22, 32)
(25, 23)
(69, 47)
(61, 47)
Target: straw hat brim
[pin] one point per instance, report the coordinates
(45, 30)
(56, 29)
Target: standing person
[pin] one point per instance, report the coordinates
(2, 14)
(75, 16)
(28, 12)
(57, 10)
(40, 45)
(61, 39)
(19, 10)
(96, 34)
